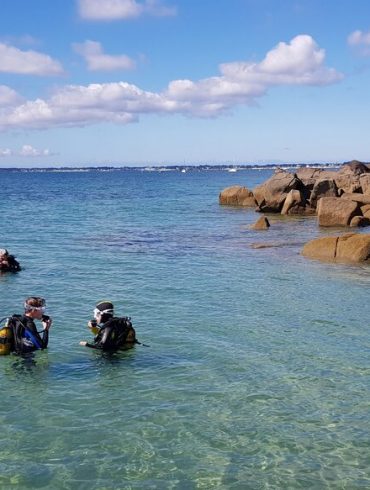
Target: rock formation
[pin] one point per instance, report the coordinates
(337, 197)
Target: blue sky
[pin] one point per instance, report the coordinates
(143, 82)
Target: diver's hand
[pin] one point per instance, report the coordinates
(83, 342)
(47, 323)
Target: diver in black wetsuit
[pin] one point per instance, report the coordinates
(8, 263)
(111, 333)
(26, 338)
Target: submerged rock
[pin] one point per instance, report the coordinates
(261, 224)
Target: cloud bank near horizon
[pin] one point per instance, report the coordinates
(25, 151)
(299, 62)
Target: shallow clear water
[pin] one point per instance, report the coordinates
(257, 371)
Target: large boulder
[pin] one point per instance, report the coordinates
(349, 176)
(335, 211)
(294, 203)
(348, 182)
(308, 176)
(270, 196)
(351, 247)
(321, 248)
(237, 196)
(361, 199)
(365, 183)
(323, 188)
(359, 221)
(354, 167)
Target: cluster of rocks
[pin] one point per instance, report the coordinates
(338, 197)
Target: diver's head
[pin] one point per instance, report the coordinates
(4, 252)
(34, 307)
(104, 310)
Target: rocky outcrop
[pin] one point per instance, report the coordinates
(271, 195)
(261, 224)
(307, 191)
(352, 247)
(237, 196)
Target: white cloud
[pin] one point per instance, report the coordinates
(107, 10)
(300, 62)
(361, 41)
(30, 151)
(97, 60)
(25, 151)
(13, 60)
(5, 152)
(359, 37)
(9, 97)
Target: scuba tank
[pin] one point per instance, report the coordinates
(6, 340)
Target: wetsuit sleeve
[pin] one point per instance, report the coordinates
(93, 346)
(103, 340)
(45, 339)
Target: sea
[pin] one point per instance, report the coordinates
(254, 368)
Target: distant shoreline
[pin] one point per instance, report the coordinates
(173, 168)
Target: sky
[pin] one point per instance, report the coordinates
(162, 82)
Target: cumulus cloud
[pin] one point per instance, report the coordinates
(9, 97)
(361, 41)
(14, 60)
(30, 151)
(300, 62)
(97, 60)
(108, 10)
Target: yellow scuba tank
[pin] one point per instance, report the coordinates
(6, 340)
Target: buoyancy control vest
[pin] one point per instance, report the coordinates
(116, 333)
(11, 265)
(25, 335)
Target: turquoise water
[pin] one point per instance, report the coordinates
(257, 371)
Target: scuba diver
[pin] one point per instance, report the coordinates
(8, 263)
(111, 333)
(22, 336)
